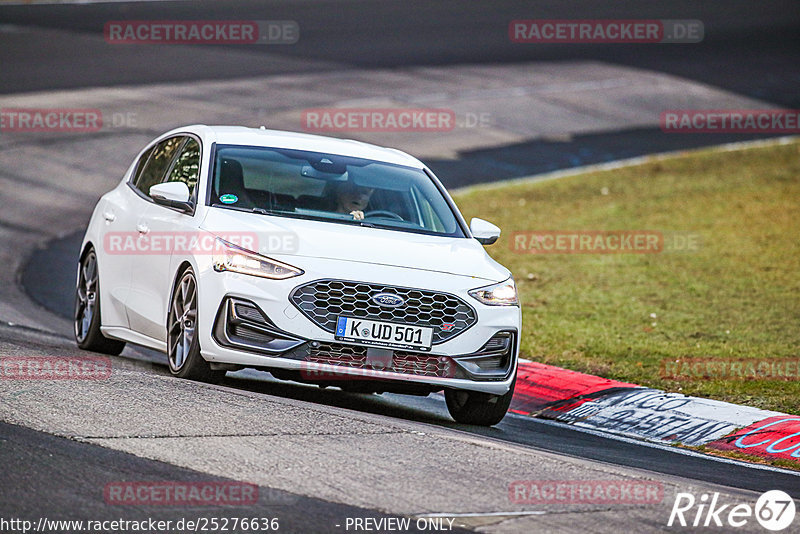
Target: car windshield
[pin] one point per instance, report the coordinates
(313, 185)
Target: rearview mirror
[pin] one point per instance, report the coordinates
(172, 195)
(332, 176)
(485, 232)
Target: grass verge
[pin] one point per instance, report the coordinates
(736, 296)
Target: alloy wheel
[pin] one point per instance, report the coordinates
(182, 321)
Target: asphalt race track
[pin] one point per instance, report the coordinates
(319, 457)
(541, 434)
(746, 50)
(750, 54)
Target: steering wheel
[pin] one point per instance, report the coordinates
(383, 213)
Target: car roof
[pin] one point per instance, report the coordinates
(241, 135)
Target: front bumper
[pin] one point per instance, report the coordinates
(254, 325)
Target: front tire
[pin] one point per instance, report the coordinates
(86, 317)
(476, 408)
(183, 346)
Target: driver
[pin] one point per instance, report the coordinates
(353, 199)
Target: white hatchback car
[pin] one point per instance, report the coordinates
(319, 260)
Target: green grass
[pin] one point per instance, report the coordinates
(737, 296)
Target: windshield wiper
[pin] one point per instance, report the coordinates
(365, 224)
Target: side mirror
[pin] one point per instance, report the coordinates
(172, 195)
(485, 232)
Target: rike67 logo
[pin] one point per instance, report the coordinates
(774, 510)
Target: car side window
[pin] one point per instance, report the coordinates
(430, 219)
(156, 167)
(187, 165)
(140, 165)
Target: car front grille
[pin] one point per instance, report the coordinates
(423, 364)
(354, 356)
(338, 354)
(323, 301)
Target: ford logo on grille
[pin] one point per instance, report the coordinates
(388, 299)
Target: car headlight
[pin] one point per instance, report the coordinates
(229, 257)
(501, 294)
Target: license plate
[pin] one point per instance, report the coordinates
(382, 334)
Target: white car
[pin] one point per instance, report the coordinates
(320, 260)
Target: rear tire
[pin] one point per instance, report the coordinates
(86, 317)
(475, 408)
(183, 346)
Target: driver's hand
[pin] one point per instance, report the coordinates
(357, 215)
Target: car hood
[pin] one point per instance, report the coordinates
(279, 236)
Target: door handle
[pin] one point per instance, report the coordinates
(110, 217)
(142, 228)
